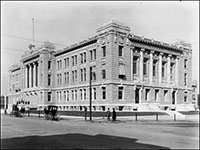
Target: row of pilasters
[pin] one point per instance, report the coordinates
(31, 75)
(159, 67)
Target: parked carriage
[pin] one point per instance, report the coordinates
(51, 112)
(15, 111)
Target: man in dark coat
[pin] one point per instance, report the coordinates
(114, 114)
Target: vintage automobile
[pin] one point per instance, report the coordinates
(51, 112)
(15, 111)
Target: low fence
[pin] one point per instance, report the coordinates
(86, 115)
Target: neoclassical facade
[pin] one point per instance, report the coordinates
(128, 72)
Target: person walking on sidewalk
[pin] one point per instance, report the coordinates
(114, 115)
(108, 114)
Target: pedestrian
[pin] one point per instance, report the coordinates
(108, 114)
(114, 115)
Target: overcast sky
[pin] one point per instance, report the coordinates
(66, 23)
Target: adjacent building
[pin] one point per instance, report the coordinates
(129, 72)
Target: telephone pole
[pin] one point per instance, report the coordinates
(90, 93)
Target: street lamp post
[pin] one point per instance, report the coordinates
(90, 93)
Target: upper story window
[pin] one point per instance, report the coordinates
(49, 64)
(135, 65)
(163, 69)
(185, 63)
(59, 64)
(185, 78)
(145, 66)
(83, 57)
(155, 68)
(93, 54)
(103, 74)
(103, 51)
(120, 92)
(103, 92)
(172, 69)
(120, 51)
(72, 60)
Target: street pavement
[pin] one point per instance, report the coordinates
(76, 133)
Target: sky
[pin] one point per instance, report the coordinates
(66, 23)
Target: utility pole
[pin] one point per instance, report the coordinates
(33, 29)
(90, 93)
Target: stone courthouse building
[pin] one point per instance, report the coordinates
(129, 72)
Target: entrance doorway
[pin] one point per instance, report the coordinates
(137, 95)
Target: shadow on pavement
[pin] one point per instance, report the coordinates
(75, 141)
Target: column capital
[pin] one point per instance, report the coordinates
(161, 54)
(142, 49)
(169, 55)
(151, 52)
(132, 47)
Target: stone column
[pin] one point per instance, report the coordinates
(168, 68)
(25, 76)
(36, 77)
(176, 70)
(151, 67)
(132, 48)
(30, 75)
(34, 74)
(141, 65)
(160, 68)
(140, 95)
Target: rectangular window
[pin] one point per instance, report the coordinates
(135, 60)
(103, 51)
(120, 92)
(185, 78)
(60, 79)
(75, 91)
(67, 77)
(67, 62)
(84, 74)
(120, 51)
(94, 52)
(75, 75)
(185, 63)
(156, 95)
(84, 57)
(147, 91)
(154, 68)
(81, 94)
(185, 98)
(60, 96)
(49, 79)
(75, 60)
(84, 94)
(72, 76)
(145, 66)
(49, 96)
(81, 55)
(60, 64)
(103, 74)
(64, 95)
(94, 93)
(67, 95)
(165, 95)
(72, 95)
(163, 69)
(103, 93)
(49, 64)
(72, 60)
(57, 64)
(172, 71)
(91, 55)
(81, 75)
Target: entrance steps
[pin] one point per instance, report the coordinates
(175, 114)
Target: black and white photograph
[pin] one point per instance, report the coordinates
(100, 75)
